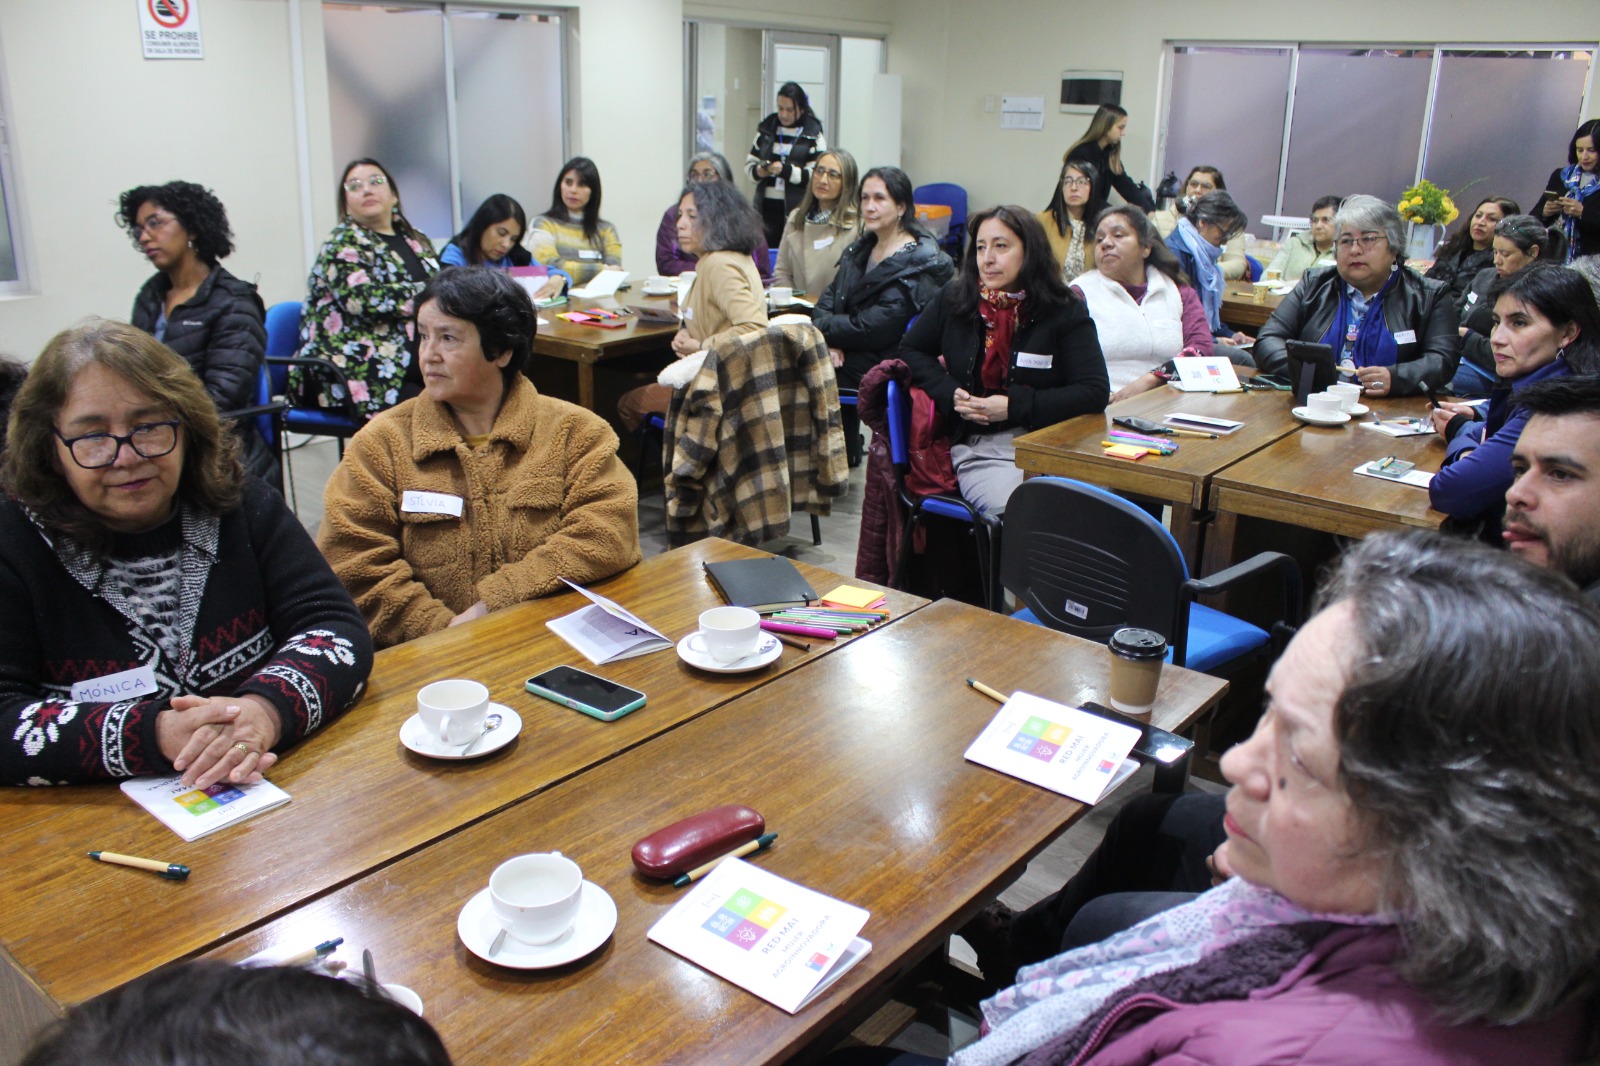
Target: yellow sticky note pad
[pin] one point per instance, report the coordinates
(1126, 451)
(851, 596)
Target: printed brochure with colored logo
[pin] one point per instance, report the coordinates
(767, 935)
(195, 812)
(1061, 748)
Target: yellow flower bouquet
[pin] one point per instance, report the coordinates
(1427, 204)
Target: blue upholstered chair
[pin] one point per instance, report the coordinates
(1086, 561)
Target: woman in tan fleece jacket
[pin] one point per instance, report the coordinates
(480, 492)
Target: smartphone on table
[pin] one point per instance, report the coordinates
(586, 692)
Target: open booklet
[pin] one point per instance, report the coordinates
(194, 812)
(767, 935)
(1061, 748)
(605, 283)
(605, 631)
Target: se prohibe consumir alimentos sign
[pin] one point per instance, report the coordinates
(170, 29)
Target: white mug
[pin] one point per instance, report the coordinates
(1349, 395)
(1325, 404)
(781, 295)
(727, 634)
(536, 897)
(658, 285)
(453, 710)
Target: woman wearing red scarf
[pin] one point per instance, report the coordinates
(1019, 352)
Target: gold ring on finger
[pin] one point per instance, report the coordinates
(242, 746)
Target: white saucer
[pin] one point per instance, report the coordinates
(417, 737)
(597, 917)
(1357, 410)
(665, 291)
(1305, 414)
(767, 651)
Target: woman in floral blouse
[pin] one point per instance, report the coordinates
(358, 311)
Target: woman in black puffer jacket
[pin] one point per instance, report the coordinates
(194, 306)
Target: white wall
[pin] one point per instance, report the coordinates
(951, 57)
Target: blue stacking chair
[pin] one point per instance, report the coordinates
(954, 197)
(1254, 266)
(985, 529)
(283, 342)
(264, 416)
(1088, 562)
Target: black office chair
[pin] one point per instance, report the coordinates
(1088, 562)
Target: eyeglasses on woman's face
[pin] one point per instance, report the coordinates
(377, 181)
(1366, 242)
(1075, 182)
(151, 223)
(150, 440)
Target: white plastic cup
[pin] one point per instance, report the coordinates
(536, 896)
(453, 710)
(727, 634)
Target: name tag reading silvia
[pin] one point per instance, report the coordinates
(1030, 361)
(113, 688)
(418, 502)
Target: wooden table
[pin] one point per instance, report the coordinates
(588, 345)
(856, 761)
(1240, 310)
(73, 928)
(1306, 480)
(1072, 449)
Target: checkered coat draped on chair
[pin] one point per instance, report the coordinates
(754, 436)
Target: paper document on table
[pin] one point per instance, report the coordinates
(1400, 427)
(605, 631)
(782, 941)
(194, 812)
(1205, 423)
(605, 283)
(1205, 373)
(1416, 478)
(1058, 747)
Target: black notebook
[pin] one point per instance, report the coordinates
(770, 584)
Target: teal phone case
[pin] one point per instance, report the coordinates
(592, 712)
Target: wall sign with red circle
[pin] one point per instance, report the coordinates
(170, 29)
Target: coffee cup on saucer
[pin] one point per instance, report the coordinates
(1324, 405)
(1349, 395)
(453, 710)
(727, 634)
(535, 897)
(780, 295)
(658, 285)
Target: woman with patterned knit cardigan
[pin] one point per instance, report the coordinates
(480, 493)
(159, 611)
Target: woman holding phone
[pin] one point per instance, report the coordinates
(1569, 201)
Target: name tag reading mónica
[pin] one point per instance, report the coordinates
(1406, 336)
(417, 502)
(1030, 361)
(114, 688)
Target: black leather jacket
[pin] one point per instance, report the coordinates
(1416, 306)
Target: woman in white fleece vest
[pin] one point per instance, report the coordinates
(1143, 307)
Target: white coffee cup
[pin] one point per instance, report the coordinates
(1324, 404)
(1349, 396)
(727, 634)
(536, 896)
(405, 997)
(658, 285)
(781, 295)
(453, 710)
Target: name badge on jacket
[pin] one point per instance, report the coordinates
(1030, 361)
(821, 242)
(114, 688)
(418, 502)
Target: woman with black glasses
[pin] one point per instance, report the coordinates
(160, 611)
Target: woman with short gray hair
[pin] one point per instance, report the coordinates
(1391, 330)
(720, 229)
(1519, 242)
(1411, 872)
(671, 259)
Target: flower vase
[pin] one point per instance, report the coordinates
(1422, 240)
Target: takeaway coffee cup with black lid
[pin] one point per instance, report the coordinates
(1136, 658)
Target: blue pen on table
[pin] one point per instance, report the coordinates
(172, 871)
(760, 843)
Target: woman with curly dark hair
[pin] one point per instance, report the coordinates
(160, 612)
(193, 305)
